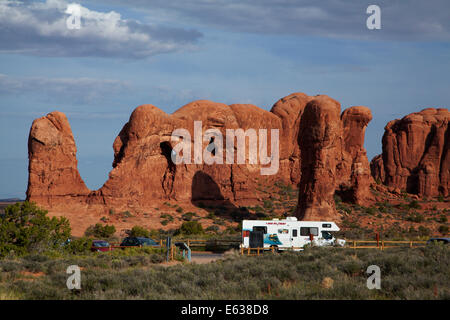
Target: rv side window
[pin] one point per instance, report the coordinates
(294, 232)
(326, 225)
(306, 231)
(283, 231)
(260, 229)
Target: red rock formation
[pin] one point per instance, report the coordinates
(415, 154)
(316, 144)
(354, 167)
(52, 172)
(319, 142)
(290, 109)
(377, 168)
(333, 158)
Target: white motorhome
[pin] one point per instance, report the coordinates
(288, 233)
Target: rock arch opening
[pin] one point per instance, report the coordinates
(170, 172)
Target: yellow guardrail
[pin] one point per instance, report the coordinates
(256, 251)
(352, 244)
(383, 244)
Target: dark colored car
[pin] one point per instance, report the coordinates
(439, 240)
(138, 242)
(100, 246)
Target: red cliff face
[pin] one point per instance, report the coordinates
(415, 154)
(319, 148)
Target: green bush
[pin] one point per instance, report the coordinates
(424, 231)
(191, 227)
(414, 204)
(211, 216)
(415, 217)
(100, 231)
(79, 246)
(25, 228)
(188, 216)
(138, 231)
(126, 214)
(443, 229)
(267, 204)
(337, 199)
(214, 229)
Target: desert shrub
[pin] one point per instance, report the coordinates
(443, 218)
(179, 210)
(211, 216)
(337, 199)
(126, 214)
(166, 217)
(212, 229)
(441, 198)
(138, 231)
(424, 231)
(267, 204)
(100, 231)
(258, 209)
(188, 216)
(191, 227)
(24, 228)
(415, 217)
(79, 246)
(414, 204)
(443, 229)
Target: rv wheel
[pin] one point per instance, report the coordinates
(275, 248)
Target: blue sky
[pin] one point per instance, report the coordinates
(169, 53)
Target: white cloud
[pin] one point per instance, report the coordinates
(39, 28)
(401, 20)
(79, 90)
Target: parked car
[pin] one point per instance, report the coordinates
(138, 242)
(439, 240)
(100, 246)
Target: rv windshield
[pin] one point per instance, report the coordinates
(327, 235)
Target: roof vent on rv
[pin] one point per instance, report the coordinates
(276, 219)
(291, 218)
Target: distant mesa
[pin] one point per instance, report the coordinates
(321, 151)
(11, 200)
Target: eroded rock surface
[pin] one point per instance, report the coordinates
(52, 171)
(415, 154)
